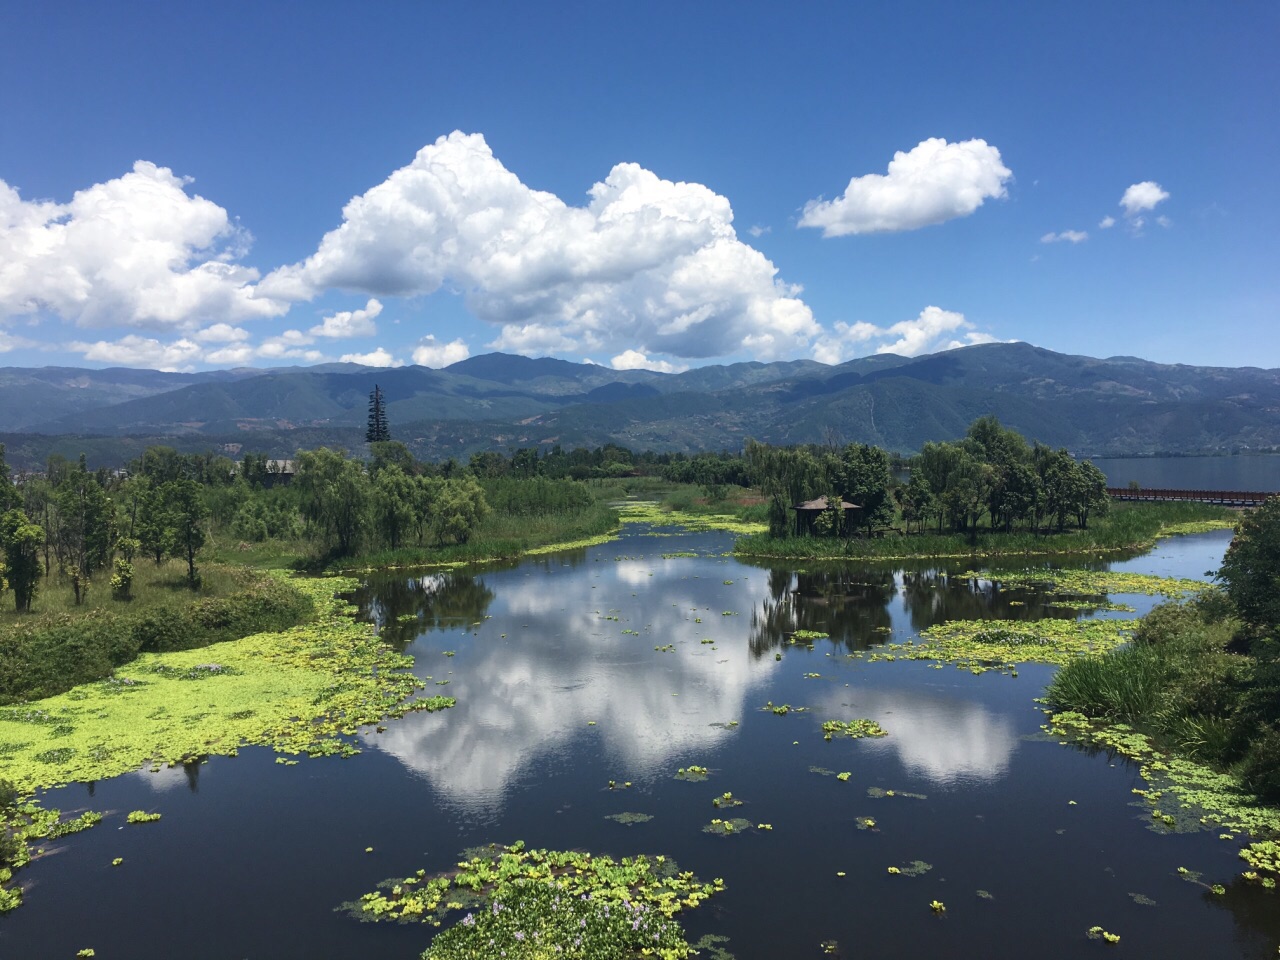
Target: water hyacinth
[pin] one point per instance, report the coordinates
(543, 903)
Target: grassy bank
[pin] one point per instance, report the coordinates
(49, 652)
(1126, 527)
(502, 535)
(1186, 683)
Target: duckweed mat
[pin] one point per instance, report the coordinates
(302, 690)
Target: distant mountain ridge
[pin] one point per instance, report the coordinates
(1116, 406)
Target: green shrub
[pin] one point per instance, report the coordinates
(1259, 771)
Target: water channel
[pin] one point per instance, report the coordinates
(560, 690)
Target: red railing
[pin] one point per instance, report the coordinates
(1232, 498)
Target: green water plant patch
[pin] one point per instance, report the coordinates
(645, 511)
(528, 904)
(851, 729)
(981, 645)
(302, 690)
(1092, 583)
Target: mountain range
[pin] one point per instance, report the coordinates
(1116, 406)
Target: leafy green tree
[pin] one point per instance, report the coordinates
(21, 540)
(186, 508)
(916, 500)
(390, 453)
(786, 476)
(1059, 478)
(334, 497)
(153, 525)
(393, 505)
(9, 496)
(864, 477)
(1251, 568)
(459, 506)
(488, 465)
(85, 528)
(378, 430)
(1090, 493)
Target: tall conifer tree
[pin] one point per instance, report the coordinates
(378, 430)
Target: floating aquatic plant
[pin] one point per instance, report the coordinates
(141, 816)
(879, 793)
(299, 691)
(726, 799)
(851, 729)
(726, 828)
(1097, 933)
(628, 818)
(1093, 583)
(693, 773)
(538, 903)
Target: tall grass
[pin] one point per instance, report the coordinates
(499, 536)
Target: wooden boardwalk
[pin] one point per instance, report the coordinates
(1226, 498)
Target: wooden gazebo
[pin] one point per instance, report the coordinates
(809, 511)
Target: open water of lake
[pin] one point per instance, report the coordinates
(251, 857)
(1253, 474)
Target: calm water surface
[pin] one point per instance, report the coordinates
(251, 857)
(1194, 473)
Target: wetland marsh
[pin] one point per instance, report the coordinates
(626, 699)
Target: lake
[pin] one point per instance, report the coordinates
(560, 690)
(1260, 473)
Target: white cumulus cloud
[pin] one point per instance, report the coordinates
(221, 333)
(1106, 223)
(1142, 196)
(933, 330)
(9, 342)
(933, 182)
(1069, 236)
(638, 360)
(350, 323)
(645, 260)
(137, 251)
(136, 351)
(376, 358)
(431, 353)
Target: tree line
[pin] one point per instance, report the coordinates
(991, 474)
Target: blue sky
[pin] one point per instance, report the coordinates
(189, 186)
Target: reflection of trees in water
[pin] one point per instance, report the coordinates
(433, 600)
(852, 606)
(932, 597)
(1253, 909)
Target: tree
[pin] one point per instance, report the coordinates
(334, 497)
(390, 453)
(9, 496)
(84, 531)
(21, 540)
(378, 431)
(459, 506)
(864, 479)
(393, 505)
(187, 510)
(1251, 568)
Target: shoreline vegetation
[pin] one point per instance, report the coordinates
(304, 690)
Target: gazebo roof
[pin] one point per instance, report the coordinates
(822, 504)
